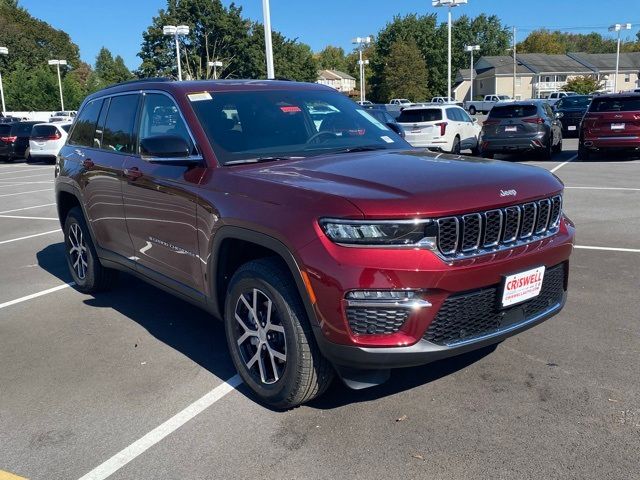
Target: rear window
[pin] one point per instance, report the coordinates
(618, 104)
(21, 129)
(43, 131)
(573, 101)
(513, 111)
(421, 115)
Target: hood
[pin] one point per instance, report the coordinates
(397, 184)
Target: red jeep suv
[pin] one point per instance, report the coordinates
(321, 238)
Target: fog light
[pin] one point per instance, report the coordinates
(382, 295)
(386, 298)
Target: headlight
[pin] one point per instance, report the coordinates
(560, 114)
(405, 233)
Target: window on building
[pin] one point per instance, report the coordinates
(518, 81)
(547, 78)
(627, 78)
(481, 85)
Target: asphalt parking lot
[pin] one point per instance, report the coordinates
(135, 384)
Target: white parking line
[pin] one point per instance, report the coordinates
(30, 218)
(555, 169)
(30, 236)
(36, 295)
(140, 446)
(24, 193)
(609, 249)
(606, 188)
(16, 184)
(27, 208)
(24, 170)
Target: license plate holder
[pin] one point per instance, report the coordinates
(617, 126)
(511, 128)
(572, 127)
(522, 286)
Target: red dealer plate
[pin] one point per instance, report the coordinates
(522, 286)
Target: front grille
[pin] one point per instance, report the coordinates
(369, 321)
(482, 232)
(477, 313)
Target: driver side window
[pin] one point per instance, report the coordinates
(160, 116)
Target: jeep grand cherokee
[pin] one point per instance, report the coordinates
(321, 238)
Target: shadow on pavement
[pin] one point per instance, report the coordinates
(197, 335)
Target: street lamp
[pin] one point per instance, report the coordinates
(449, 4)
(215, 66)
(471, 49)
(57, 63)
(361, 43)
(3, 51)
(175, 32)
(268, 47)
(617, 28)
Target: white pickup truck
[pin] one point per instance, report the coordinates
(403, 102)
(483, 106)
(553, 97)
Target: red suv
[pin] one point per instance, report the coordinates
(612, 123)
(321, 238)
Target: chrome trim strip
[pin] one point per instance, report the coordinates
(508, 329)
(464, 231)
(413, 304)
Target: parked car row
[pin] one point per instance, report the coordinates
(33, 141)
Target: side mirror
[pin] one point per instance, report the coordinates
(474, 119)
(168, 150)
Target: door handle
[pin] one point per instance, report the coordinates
(88, 164)
(132, 173)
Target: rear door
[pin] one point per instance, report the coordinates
(22, 132)
(471, 129)
(160, 201)
(617, 117)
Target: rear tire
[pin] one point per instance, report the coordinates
(583, 153)
(272, 345)
(88, 273)
(547, 153)
(558, 147)
(455, 147)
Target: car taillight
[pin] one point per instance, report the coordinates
(55, 136)
(443, 127)
(537, 120)
(490, 122)
(8, 139)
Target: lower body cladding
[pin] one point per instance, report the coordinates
(539, 142)
(612, 143)
(454, 307)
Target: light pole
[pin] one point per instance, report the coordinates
(449, 4)
(361, 43)
(268, 47)
(57, 63)
(471, 49)
(3, 51)
(617, 28)
(175, 32)
(215, 66)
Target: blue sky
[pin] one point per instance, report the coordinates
(118, 24)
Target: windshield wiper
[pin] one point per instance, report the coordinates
(261, 159)
(364, 148)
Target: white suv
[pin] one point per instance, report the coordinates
(448, 128)
(46, 141)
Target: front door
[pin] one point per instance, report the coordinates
(159, 201)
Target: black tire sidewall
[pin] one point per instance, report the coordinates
(88, 283)
(243, 281)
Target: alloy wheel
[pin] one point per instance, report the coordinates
(260, 336)
(78, 251)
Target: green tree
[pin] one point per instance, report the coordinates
(405, 72)
(583, 85)
(557, 42)
(332, 58)
(109, 70)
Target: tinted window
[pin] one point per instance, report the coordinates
(615, 104)
(465, 117)
(118, 134)
(513, 111)
(420, 115)
(85, 126)
(452, 114)
(160, 116)
(22, 129)
(43, 131)
(66, 128)
(574, 101)
(246, 125)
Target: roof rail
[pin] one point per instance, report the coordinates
(142, 80)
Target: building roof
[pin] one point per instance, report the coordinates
(502, 64)
(607, 61)
(465, 74)
(334, 75)
(544, 63)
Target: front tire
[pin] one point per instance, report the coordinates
(269, 336)
(88, 273)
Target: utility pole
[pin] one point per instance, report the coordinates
(361, 43)
(515, 63)
(618, 27)
(268, 46)
(3, 51)
(471, 49)
(449, 4)
(57, 63)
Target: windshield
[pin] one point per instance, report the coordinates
(420, 115)
(574, 101)
(513, 111)
(504, 97)
(615, 104)
(247, 125)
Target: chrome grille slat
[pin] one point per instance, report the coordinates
(473, 234)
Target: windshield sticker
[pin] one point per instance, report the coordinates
(291, 109)
(387, 139)
(372, 120)
(199, 97)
